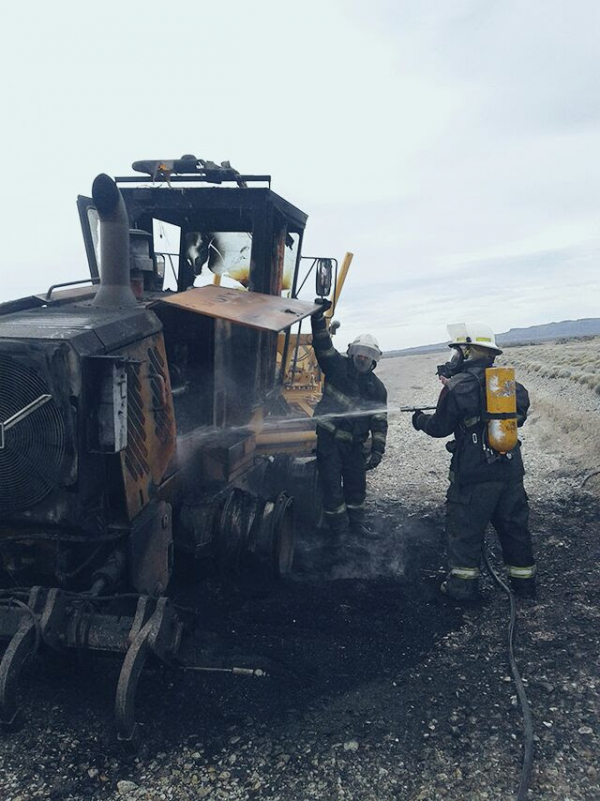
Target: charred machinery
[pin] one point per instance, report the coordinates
(131, 418)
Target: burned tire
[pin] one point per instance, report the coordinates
(242, 534)
(271, 541)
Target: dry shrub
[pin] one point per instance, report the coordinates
(576, 360)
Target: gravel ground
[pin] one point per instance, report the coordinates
(378, 688)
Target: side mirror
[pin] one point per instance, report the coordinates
(323, 280)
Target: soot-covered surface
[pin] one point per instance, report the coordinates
(378, 688)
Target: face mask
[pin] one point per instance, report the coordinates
(452, 367)
(362, 363)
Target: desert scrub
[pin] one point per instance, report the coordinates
(576, 362)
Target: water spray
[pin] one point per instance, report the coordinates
(282, 423)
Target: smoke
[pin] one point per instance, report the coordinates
(397, 540)
(374, 558)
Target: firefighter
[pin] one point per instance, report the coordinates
(485, 485)
(343, 428)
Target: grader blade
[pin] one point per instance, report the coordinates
(19, 649)
(59, 621)
(20, 621)
(161, 635)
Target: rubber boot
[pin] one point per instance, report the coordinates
(344, 542)
(462, 590)
(339, 532)
(361, 532)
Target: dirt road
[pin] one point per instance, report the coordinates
(378, 689)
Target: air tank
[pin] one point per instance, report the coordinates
(501, 404)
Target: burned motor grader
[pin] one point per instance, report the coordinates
(131, 418)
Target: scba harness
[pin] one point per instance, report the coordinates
(488, 406)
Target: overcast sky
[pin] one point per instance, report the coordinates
(453, 146)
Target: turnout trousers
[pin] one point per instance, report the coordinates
(342, 475)
(469, 510)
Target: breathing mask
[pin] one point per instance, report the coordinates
(363, 362)
(364, 352)
(455, 364)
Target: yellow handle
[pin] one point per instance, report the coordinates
(340, 281)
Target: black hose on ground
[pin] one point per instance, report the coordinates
(527, 721)
(590, 475)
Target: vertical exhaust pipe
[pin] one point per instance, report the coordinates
(115, 288)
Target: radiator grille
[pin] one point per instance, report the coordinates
(158, 383)
(33, 453)
(149, 413)
(136, 454)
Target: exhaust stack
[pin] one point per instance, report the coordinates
(115, 289)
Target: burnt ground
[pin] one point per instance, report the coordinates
(378, 688)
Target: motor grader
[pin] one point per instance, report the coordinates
(140, 426)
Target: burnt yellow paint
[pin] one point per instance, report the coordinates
(501, 398)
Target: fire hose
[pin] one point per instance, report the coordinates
(521, 695)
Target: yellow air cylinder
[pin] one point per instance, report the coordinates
(501, 399)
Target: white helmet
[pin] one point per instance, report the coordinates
(472, 334)
(365, 345)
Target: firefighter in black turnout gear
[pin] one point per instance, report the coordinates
(486, 486)
(342, 428)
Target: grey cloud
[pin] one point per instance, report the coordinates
(506, 292)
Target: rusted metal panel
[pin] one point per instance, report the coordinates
(150, 422)
(151, 547)
(217, 456)
(252, 309)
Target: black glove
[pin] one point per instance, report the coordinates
(416, 419)
(325, 306)
(375, 460)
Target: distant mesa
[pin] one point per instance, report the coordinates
(567, 329)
